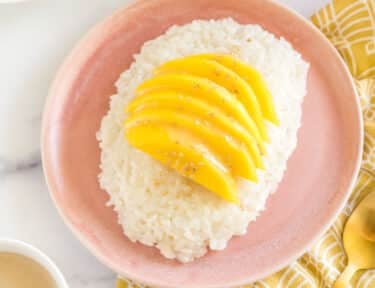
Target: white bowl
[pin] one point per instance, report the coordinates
(22, 248)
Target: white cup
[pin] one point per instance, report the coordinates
(22, 248)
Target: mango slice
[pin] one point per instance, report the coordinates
(184, 103)
(204, 116)
(189, 157)
(235, 157)
(207, 91)
(253, 78)
(223, 76)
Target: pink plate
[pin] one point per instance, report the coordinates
(320, 173)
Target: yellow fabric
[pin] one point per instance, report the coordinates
(350, 26)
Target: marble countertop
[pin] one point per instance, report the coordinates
(35, 36)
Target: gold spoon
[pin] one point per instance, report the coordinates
(359, 240)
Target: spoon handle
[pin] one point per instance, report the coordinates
(344, 278)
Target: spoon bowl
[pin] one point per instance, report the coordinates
(359, 240)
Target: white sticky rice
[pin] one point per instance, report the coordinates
(158, 207)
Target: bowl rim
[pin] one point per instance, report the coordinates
(27, 250)
(297, 252)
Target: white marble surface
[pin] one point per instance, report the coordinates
(34, 37)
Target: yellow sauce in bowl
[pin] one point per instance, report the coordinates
(18, 271)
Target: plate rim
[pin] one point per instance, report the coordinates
(298, 252)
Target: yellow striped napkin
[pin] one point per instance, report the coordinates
(350, 26)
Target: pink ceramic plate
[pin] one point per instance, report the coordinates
(320, 173)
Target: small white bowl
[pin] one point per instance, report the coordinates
(22, 248)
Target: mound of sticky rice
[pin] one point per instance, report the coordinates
(158, 207)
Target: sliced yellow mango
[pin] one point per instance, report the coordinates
(205, 117)
(235, 157)
(189, 158)
(253, 78)
(207, 91)
(185, 103)
(222, 76)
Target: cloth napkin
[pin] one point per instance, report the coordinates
(350, 26)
